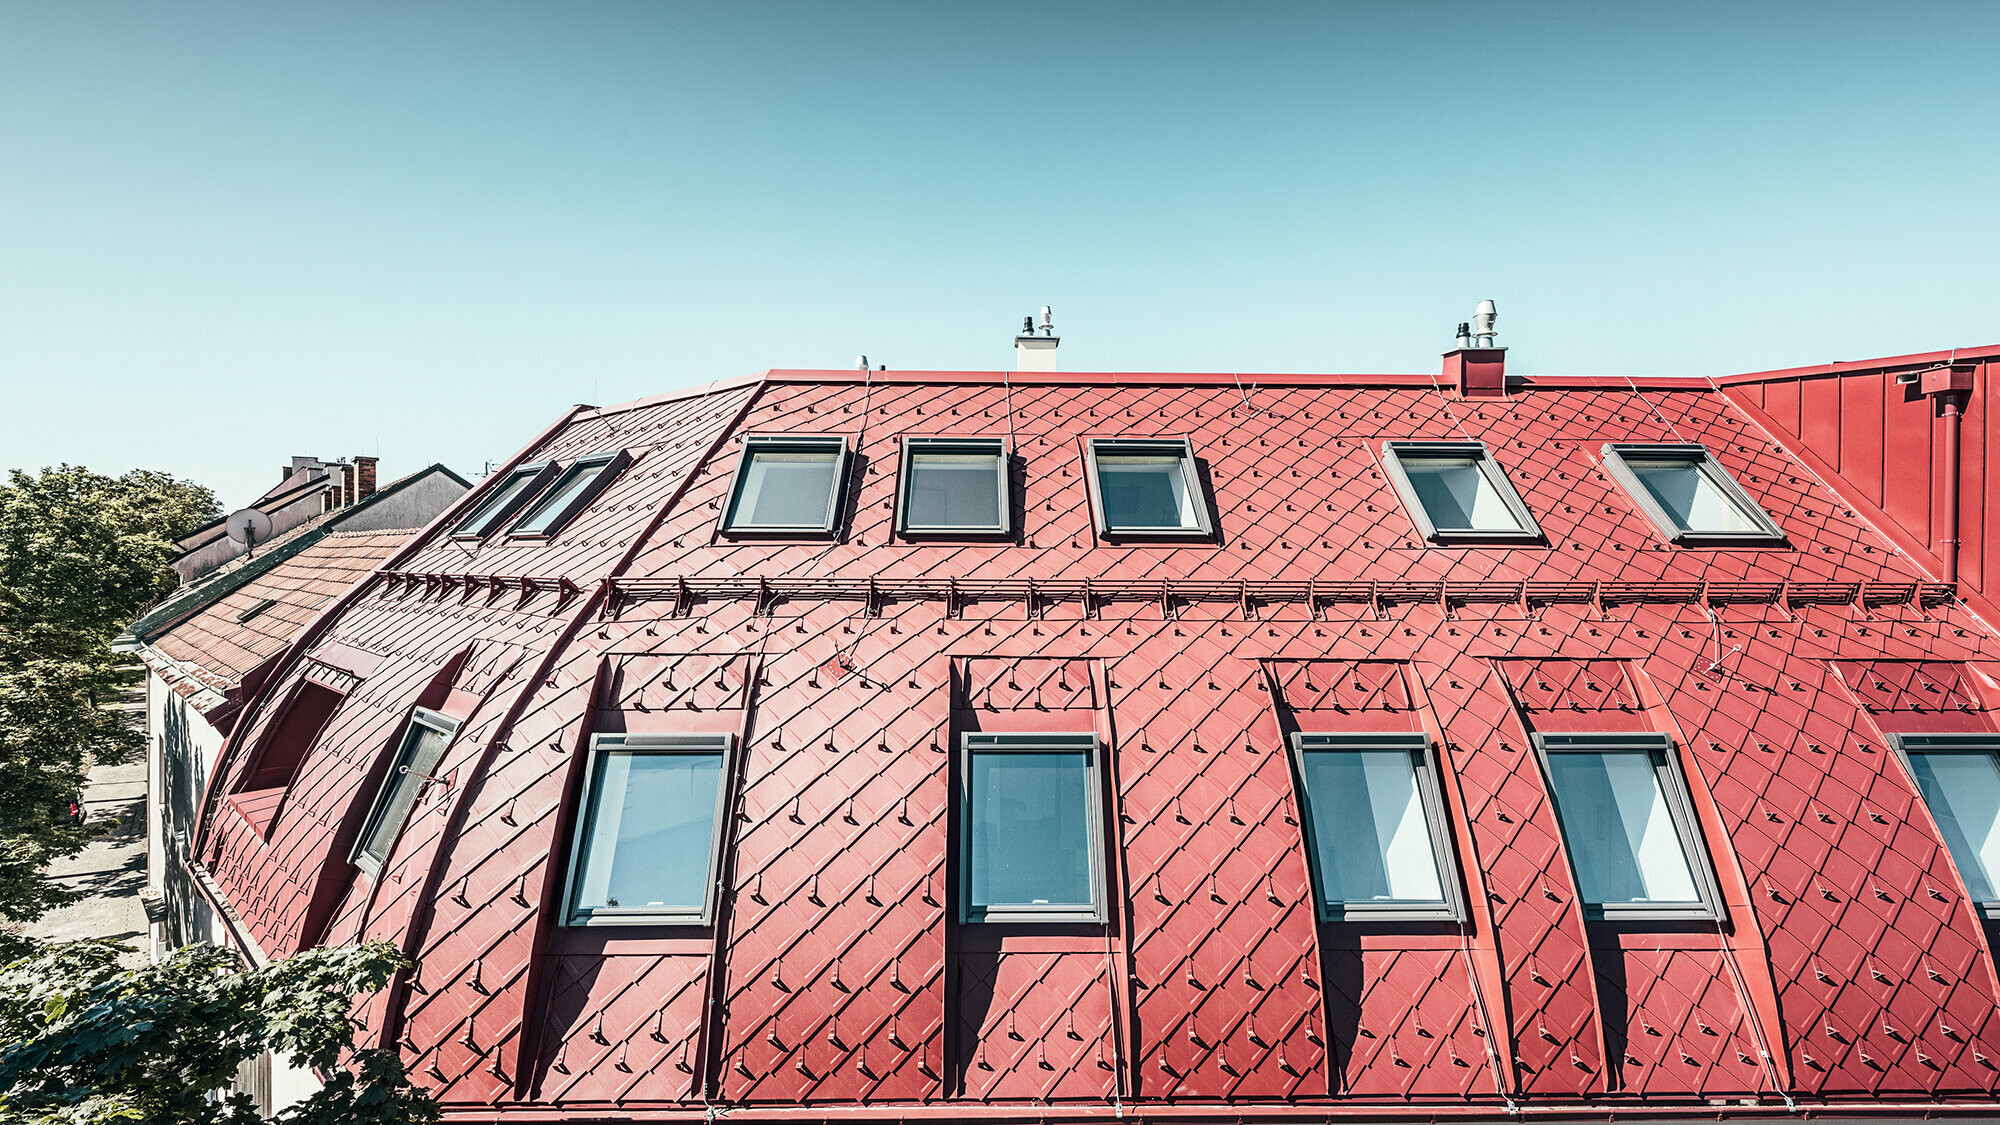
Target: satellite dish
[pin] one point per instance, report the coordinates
(248, 527)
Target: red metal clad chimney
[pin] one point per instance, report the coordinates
(1475, 366)
(364, 477)
(1477, 372)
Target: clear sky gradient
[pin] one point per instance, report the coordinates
(232, 233)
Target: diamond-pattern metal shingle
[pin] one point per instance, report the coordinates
(836, 973)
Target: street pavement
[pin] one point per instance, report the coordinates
(111, 871)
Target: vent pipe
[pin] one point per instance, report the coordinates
(1036, 351)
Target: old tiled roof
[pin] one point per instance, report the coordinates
(1849, 970)
(224, 641)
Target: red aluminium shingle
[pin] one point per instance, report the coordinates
(1849, 968)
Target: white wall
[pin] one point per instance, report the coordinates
(181, 755)
(182, 748)
(413, 505)
(221, 549)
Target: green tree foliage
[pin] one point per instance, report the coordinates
(80, 556)
(84, 1042)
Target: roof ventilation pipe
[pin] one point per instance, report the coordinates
(1036, 351)
(1475, 367)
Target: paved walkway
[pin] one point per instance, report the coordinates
(111, 871)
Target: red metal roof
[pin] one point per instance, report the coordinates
(1850, 971)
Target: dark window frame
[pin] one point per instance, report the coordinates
(1528, 534)
(1615, 459)
(1030, 742)
(1958, 742)
(498, 506)
(1680, 806)
(702, 744)
(399, 769)
(1423, 760)
(1182, 448)
(906, 478)
(606, 465)
(788, 443)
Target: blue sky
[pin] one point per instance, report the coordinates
(233, 233)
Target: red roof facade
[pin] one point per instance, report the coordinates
(1848, 967)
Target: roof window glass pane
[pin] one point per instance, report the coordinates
(1620, 829)
(423, 745)
(498, 504)
(649, 827)
(1029, 827)
(1963, 792)
(1369, 827)
(1457, 495)
(1689, 498)
(556, 501)
(954, 489)
(786, 489)
(1144, 490)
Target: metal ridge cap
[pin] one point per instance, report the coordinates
(1985, 353)
(702, 391)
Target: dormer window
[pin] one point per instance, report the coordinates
(1688, 496)
(422, 746)
(1628, 825)
(1030, 829)
(645, 850)
(572, 492)
(1146, 487)
(1959, 778)
(1375, 826)
(787, 485)
(506, 499)
(1456, 493)
(953, 486)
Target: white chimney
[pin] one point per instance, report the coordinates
(1033, 351)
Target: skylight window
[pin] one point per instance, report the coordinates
(503, 501)
(1146, 487)
(572, 492)
(1455, 492)
(1628, 825)
(423, 744)
(787, 484)
(1959, 777)
(954, 485)
(1688, 496)
(1030, 829)
(1376, 827)
(646, 848)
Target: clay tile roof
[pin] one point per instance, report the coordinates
(223, 642)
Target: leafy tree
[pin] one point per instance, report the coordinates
(81, 555)
(85, 1042)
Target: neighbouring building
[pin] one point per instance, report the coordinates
(308, 489)
(1044, 746)
(208, 645)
